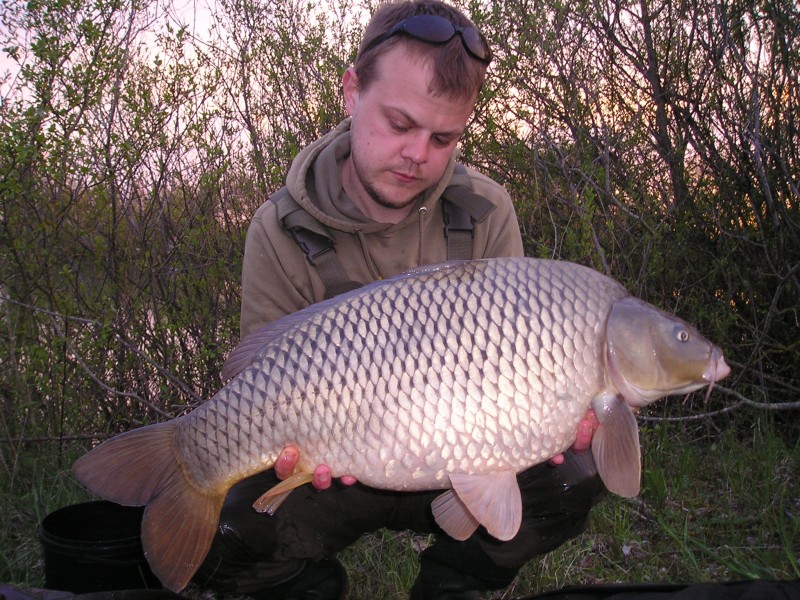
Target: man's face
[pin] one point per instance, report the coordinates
(402, 137)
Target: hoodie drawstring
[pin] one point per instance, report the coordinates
(373, 268)
(423, 212)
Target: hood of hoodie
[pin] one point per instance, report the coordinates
(315, 182)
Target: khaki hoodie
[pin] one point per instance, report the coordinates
(278, 280)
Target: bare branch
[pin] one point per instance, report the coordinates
(55, 317)
(740, 401)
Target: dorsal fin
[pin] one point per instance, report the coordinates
(252, 345)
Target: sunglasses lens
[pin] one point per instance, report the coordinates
(434, 29)
(474, 42)
(429, 28)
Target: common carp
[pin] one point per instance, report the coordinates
(453, 377)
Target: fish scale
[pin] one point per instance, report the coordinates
(410, 359)
(453, 377)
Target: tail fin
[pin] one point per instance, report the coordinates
(142, 467)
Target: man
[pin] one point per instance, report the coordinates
(376, 184)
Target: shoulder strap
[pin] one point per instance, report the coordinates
(316, 242)
(462, 208)
(459, 229)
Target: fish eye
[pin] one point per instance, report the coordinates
(681, 335)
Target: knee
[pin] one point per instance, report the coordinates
(451, 569)
(573, 487)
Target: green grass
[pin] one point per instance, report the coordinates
(725, 509)
(34, 481)
(728, 510)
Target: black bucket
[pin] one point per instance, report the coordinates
(94, 547)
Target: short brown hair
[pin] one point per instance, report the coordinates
(455, 73)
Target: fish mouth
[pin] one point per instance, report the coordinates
(638, 396)
(717, 367)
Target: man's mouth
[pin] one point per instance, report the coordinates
(404, 177)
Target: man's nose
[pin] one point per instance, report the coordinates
(416, 148)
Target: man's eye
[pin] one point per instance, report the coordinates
(398, 126)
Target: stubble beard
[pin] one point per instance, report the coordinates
(374, 194)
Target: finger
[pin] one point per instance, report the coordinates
(322, 477)
(558, 459)
(287, 461)
(584, 437)
(348, 480)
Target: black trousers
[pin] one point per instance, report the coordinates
(252, 551)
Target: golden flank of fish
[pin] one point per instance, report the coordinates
(453, 377)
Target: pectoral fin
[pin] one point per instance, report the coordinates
(615, 445)
(270, 500)
(492, 500)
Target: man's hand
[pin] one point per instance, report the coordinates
(586, 429)
(287, 462)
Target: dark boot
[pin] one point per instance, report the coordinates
(323, 580)
(437, 581)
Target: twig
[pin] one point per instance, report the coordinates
(54, 316)
(99, 382)
(54, 438)
(740, 401)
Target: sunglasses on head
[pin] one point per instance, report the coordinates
(434, 29)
